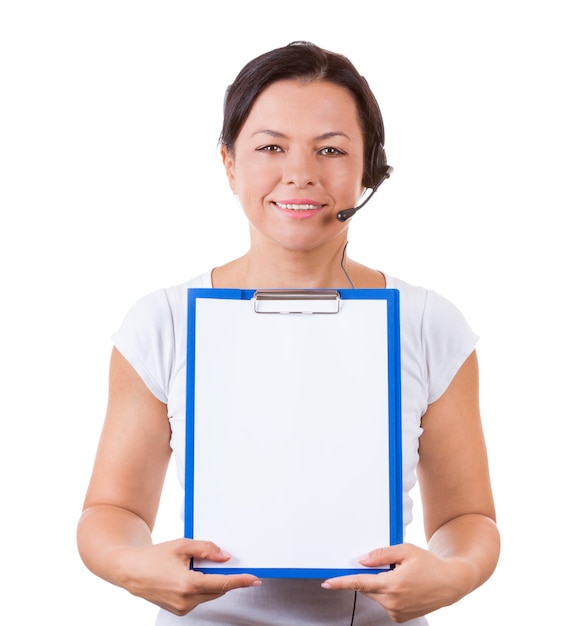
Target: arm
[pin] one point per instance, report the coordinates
(114, 532)
(459, 515)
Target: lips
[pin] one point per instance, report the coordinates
(300, 204)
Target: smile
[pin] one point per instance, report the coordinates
(298, 207)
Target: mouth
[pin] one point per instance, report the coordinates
(298, 206)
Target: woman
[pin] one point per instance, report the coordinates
(302, 139)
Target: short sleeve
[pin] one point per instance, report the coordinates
(448, 340)
(146, 340)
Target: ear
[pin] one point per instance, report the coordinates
(228, 157)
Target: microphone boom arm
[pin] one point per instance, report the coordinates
(342, 216)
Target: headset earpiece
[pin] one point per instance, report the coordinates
(378, 167)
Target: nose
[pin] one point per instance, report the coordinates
(300, 169)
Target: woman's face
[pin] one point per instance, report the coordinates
(297, 161)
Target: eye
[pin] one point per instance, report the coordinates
(331, 152)
(270, 148)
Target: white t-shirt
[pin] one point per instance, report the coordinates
(435, 341)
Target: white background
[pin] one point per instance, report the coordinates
(111, 186)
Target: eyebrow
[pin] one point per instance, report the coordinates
(278, 135)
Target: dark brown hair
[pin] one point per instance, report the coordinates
(306, 61)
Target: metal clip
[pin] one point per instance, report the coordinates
(294, 301)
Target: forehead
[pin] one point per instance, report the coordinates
(318, 106)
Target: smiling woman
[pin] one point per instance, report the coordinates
(302, 139)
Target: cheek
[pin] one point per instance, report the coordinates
(254, 179)
(343, 180)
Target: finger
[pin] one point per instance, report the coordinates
(200, 588)
(386, 556)
(206, 550)
(355, 582)
(221, 583)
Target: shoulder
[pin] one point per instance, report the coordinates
(153, 331)
(166, 301)
(426, 306)
(175, 297)
(156, 317)
(434, 334)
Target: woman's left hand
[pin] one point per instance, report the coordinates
(421, 581)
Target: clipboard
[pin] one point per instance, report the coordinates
(293, 429)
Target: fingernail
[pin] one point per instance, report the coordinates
(326, 585)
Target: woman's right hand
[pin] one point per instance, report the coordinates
(161, 574)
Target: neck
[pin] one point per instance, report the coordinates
(268, 266)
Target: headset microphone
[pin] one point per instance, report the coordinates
(342, 216)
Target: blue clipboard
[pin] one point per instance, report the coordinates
(293, 429)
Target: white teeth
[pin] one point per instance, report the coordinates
(297, 207)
